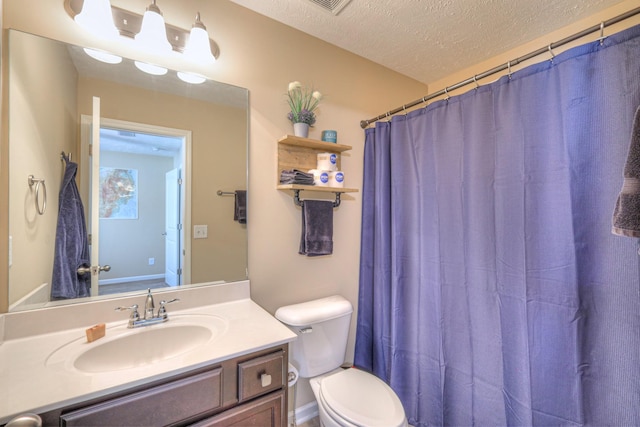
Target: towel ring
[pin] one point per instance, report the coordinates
(37, 183)
(298, 202)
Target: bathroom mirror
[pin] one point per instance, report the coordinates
(151, 125)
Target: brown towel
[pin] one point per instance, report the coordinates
(317, 228)
(626, 215)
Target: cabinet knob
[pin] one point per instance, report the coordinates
(265, 379)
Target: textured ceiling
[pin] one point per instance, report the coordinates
(429, 39)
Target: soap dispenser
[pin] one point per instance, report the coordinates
(148, 305)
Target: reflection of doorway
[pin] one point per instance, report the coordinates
(135, 245)
(172, 262)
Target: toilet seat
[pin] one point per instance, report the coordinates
(355, 397)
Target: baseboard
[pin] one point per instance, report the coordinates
(304, 413)
(130, 279)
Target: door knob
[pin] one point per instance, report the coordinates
(94, 269)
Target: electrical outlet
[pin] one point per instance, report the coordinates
(199, 231)
(152, 261)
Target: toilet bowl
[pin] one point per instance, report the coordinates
(345, 397)
(352, 397)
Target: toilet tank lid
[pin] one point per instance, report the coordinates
(319, 310)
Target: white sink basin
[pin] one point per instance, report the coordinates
(123, 348)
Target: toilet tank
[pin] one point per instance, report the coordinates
(322, 327)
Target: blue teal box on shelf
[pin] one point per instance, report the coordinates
(330, 136)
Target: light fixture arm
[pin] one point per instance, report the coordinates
(129, 24)
(198, 23)
(153, 7)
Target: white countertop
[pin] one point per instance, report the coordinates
(29, 385)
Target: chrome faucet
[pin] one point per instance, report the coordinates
(149, 306)
(149, 318)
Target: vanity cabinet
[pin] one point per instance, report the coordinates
(248, 390)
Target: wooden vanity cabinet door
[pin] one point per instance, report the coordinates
(260, 375)
(266, 411)
(157, 406)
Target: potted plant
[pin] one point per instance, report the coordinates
(303, 102)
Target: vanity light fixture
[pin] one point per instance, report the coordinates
(154, 70)
(192, 78)
(150, 33)
(153, 32)
(96, 17)
(103, 56)
(198, 47)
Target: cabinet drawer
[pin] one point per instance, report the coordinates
(160, 405)
(260, 375)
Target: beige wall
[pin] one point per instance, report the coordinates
(43, 133)
(264, 56)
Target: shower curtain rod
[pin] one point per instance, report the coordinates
(508, 65)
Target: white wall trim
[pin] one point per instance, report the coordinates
(130, 279)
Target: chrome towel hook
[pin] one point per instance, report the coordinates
(37, 182)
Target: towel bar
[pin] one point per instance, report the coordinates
(298, 202)
(225, 193)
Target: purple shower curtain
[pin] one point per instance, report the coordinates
(492, 291)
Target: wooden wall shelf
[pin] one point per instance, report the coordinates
(313, 143)
(299, 153)
(316, 188)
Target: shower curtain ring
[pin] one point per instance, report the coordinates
(446, 93)
(509, 69)
(475, 80)
(551, 53)
(602, 37)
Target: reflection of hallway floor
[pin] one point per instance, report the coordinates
(138, 285)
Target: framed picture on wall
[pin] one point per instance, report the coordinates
(118, 193)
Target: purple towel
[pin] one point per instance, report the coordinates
(71, 245)
(317, 228)
(626, 215)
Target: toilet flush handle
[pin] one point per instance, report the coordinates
(306, 330)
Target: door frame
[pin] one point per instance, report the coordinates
(85, 175)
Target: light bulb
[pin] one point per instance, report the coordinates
(153, 32)
(103, 56)
(198, 48)
(192, 78)
(97, 18)
(155, 70)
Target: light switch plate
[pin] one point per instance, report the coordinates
(200, 231)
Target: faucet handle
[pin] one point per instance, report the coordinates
(162, 312)
(135, 316)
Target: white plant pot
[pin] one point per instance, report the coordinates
(301, 130)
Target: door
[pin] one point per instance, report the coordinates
(172, 228)
(134, 259)
(94, 209)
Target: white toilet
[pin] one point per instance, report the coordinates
(346, 397)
